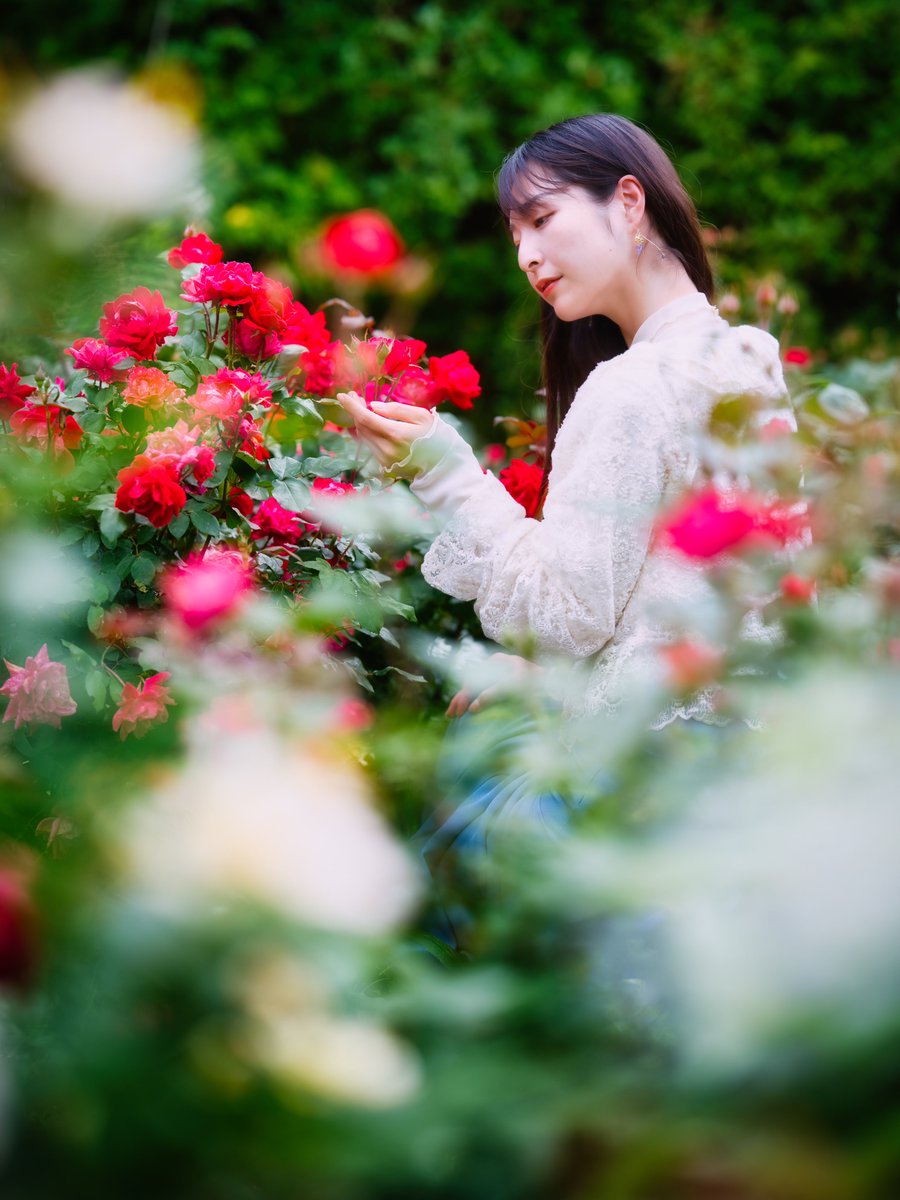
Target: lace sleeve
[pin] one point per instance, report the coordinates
(565, 580)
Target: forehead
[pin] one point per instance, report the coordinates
(530, 192)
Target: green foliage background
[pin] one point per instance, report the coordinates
(783, 118)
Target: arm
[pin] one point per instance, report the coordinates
(565, 580)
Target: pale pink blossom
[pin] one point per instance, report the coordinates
(179, 446)
(38, 692)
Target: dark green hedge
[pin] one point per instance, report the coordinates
(784, 119)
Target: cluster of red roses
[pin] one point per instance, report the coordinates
(199, 425)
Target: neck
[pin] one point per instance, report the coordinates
(655, 287)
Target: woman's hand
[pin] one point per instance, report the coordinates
(387, 428)
(519, 671)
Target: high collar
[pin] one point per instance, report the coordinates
(684, 316)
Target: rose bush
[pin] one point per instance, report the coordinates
(194, 451)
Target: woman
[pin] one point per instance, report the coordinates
(635, 357)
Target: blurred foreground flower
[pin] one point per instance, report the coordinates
(142, 706)
(288, 825)
(17, 933)
(360, 243)
(38, 692)
(99, 144)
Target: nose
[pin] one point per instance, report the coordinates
(528, 254)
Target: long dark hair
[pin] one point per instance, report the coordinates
(594, 152)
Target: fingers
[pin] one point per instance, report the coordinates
(458, 704)
(407, 413)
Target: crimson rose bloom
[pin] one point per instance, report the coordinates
(797, 356)
(709, 523)
(361, 243)
(455, 379)
(278, 523)
(17, 932)
(151, 489)
(13, 392)
(232, 284)
(138, 322)
(523, 482)
(142, 706)
(195, 248)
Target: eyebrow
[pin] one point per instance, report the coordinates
(527, 207)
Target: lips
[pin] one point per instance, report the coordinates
(544, 285)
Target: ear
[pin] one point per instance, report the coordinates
(630, 194)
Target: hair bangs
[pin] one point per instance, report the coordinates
(521, 183)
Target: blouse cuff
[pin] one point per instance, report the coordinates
(443, 470)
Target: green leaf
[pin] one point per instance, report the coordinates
(291, 494)
(178, 525)
(205, 522)
(285, 468)
(144, 569)
(112, 526)
(90, 545)
(97, 687)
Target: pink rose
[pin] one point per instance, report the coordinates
(455, 379)
(361, 243)
(206, 587)
(231, 284)
(218, 397)
(194, 248)
(142, 706)
(138, 322)
(98, 359)
(38, 692)
(253, 342)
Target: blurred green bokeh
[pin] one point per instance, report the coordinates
(783, 120)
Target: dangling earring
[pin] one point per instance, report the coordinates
(641, 240)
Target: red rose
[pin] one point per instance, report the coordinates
(195, 248)
(797, 356)
(361, 243)
(455, 379)
(270, 305)
(138, 322)
(17, 931)
(306, 329)
(239, 500)
(797, 590)
(415, 386)
(523, 482)
(47, 425)
(142, 706)
(708, 523)
(230, 283)
(13, 392)
(278, 523)
(151, 489)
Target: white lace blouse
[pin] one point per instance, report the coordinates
(583, 581)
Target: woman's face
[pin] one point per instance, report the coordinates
(574, 250)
